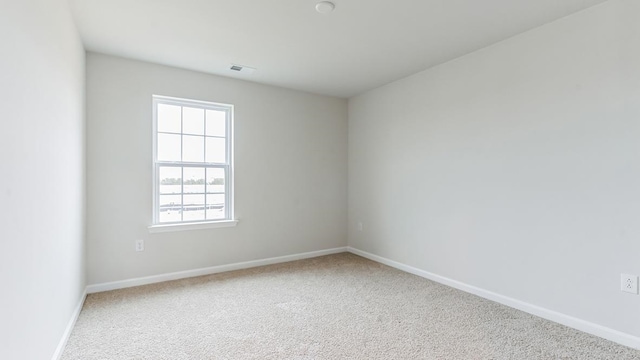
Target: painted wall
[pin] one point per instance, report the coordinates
(514, 169)
(290, 171)
(42, 250)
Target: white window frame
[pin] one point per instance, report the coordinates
(229, 219)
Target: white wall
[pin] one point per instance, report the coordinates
(290, 171)
(515, 169)
(42, 176)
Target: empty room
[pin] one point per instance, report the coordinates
(306, 179)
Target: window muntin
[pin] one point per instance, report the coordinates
(192, 161)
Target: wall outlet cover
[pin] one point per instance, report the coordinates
(629, 283)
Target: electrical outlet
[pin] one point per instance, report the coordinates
(629, 283)
(359, 226)
(140, 245)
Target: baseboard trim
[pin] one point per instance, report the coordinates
(579, 324)
(72, 323)
(114, 285)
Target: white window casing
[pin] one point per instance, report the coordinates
(192, 164)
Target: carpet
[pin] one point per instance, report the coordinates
(333, 307)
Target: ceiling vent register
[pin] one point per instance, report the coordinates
(242, 69)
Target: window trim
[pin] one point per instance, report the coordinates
(228, 166)
(161, 228)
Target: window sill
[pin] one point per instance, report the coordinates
(191, 226)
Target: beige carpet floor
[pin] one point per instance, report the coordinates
(333, 307)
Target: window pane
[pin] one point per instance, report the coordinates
(215, 180)
(216, 150)
(193, 148)
(216, 123)
(169, 118)
(193, 180)
(170, 208)
(193, 207)
(192, 121)
(215, 206)
(170, 180)
(168, 147)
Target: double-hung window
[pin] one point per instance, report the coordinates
(192, 161)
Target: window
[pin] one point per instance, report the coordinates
(192, 161)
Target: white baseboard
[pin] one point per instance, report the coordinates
(67, 332)
(95, 288)
(579, 324)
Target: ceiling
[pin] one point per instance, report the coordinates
(361, 45)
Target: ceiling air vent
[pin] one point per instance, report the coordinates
(242, 69)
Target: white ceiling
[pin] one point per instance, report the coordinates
(361, 45)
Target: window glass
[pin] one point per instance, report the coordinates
(216, 123)
(169, 146)
(192, 121)
(169, 118)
